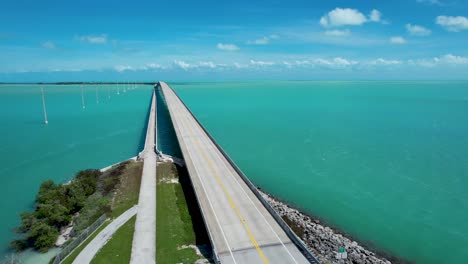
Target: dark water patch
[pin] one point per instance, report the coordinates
(141, 144)
(167, 138)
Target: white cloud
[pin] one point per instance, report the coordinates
(452, 59)
(417, 30)
(93, 39)
(343, 17)
(348, 17)
(446, 60)
(397, 40)
(227, 47)
(208, 64)
(182, 64)
(381, 61)
(337, 62)
(155, 66)
(240, 66)
(122, 68)
(430, 2)
(263, 40)
(338, 33)
(48, 45)
(261, 63)
(452, 23)
(375, 15)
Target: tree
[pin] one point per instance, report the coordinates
(27, 221)
(43, 235)
(53, 214)
(88, 179)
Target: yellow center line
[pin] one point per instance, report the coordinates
(231, 202)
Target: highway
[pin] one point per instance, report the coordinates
(240, 227)
(144, 238)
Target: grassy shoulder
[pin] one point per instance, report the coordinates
(128, 189)
(119, 248)
(74, 254)
(179, 226)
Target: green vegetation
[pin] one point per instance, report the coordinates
(90, 194)
(55, 206)
(74, 254)
(119, 248)
(178, 219)
(126, 195)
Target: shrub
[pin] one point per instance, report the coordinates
(43, 235)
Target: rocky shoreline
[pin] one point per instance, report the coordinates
(322, 240)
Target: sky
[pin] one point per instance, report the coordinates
(233, 40)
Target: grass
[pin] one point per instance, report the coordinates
(77, 251)
(178, 220)
(128, 189)
(119, 248)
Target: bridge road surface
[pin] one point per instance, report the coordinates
(144, 238)
(240, 227)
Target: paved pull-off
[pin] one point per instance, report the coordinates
(88, 253)
(240, 228)
(144, 238)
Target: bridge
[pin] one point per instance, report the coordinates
(144, 237)
(242, 227)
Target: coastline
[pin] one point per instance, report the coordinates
(325, 241)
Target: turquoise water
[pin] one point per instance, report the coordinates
(387, 162)
(101, 134)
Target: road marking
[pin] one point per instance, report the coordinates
(245, 193)
(204, 189)
(231, 202)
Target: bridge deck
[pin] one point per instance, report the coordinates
(240, 227)
(144, 238)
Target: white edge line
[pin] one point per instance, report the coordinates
(209, 201)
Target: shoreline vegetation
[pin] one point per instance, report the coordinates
(76, 204)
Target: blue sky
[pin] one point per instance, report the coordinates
(211, 40)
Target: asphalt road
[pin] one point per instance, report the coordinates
(240, 227)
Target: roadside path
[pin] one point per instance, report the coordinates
(88, 253)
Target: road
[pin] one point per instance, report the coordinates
(144, 238)
(240, 228)
(88, 253)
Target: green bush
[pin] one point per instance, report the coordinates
(55, 206)
(43, 235)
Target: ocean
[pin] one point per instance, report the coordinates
(384, 161)
(107, 131)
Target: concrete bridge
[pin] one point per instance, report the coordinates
(242, 227)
